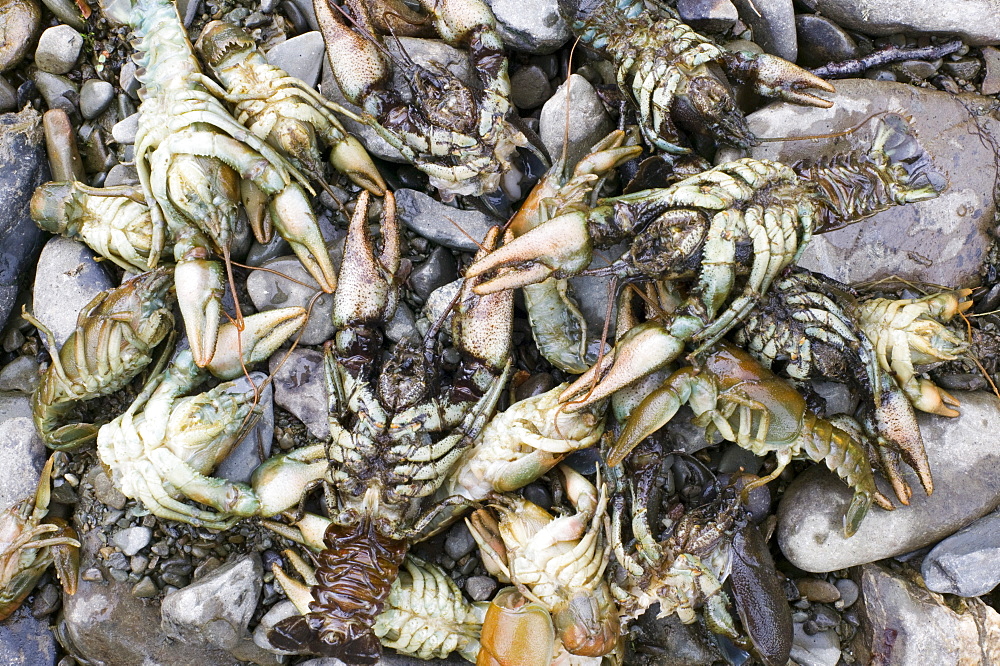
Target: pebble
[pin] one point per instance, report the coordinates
(848, 592)
(95, 97)
(21, 374)
(105, 491)
(122, 174)
(459, 542)
(436, 271)
(588, 120)
(128, 81)
(14, 404)
(246, 454)
(57, 90)
(966, 68)
(402, 325)
(773, 25)
(124, 131)
(302, 57)
(145, 588)
(708, 15)
(529, 87)
(940, 241)
(299, 387)
(991, 81)
(67, 12)
(68, 277)
(533, 27)
(25, 640)
(20, 21)
(819, 649)
(975, 22)
(480, 588)
(817, 590)
(270, 291)
(909, 626)
(916, 71)
(538, 494)
(8, 96)
(454, 228)
(822, 41)
(810, 516)
(133, 539)
(22, 456)
(58, 48)
(968, 562)
(60, 143)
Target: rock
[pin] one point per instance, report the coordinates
(22, 456)
(991, 81)
(301, 56)
(14, 404)
(127, 79)
(437, 306)
(708, 15)
(24, 640)
(480, 588)
(21, 374)
(773, 25)
(588, 121)
(817, 590)
(124, 131)
(838, 397)
(217, 608)
(8, 96)
(105, 491)
(57, 90)
(436, 271)
(916, 71)
(819, 649)
(529, 87)
(968, 562)
(454, 228)
(133, 539)
(966, 69)
(532, 27)
(60, 143)
(270, 291)
(848, 592)
(246, 455)
(299, 387)
(95, 97)
(19, 23)
(976, 22)
(122, 174)
(903, 624)
(68, 277)
(402, 325)
(670, 642)
(58, 48)
(459, 542)
(962, 459)
(822, 41)
(67, 12)
(940, 241)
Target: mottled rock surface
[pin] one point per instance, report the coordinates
(968, 562)
(300, 387)
(976, 22)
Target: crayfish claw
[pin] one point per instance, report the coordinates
(772, 76)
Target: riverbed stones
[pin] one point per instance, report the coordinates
(19, 23)
(301, 56)
(963, 457)
(300, 388)
(587, 118)
(95, 97)
(968, 562)
(532, 27)
(940, 241)
(773, 24)
(452, 227)
(22, 456)
(67, 279)
(58, 48)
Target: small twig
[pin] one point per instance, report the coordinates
(884, 57)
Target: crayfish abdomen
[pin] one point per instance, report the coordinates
(355, 573)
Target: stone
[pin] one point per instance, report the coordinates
(480, 588)
(133, 539)
(19, 23)
(95, 97)
(968, 562)
(529, 87)
(58, 48)
(56, 90)
(105, 491)
(822, 41)
(459, 542)
(8, 96)
(773, 25)
(588, 120)
(670, 642)
(301, 56)
(122, 174)
(67, 279)
(270, 291)
(22, 456)
(916, 71)
(21, 374)
(454, 228)
(60, 144)
(902, 624)
(14, 404)
(67, 12)
(817, 590)
(128, 81)
(940, 241)
(533, 27)
(300, 387)
(819, 649)
(708, 15)
(848, 592)
(25, 640)
(436, 271)
(963, 458)
(966, 69)
(437, 306)
(991, 80)
(124, 131)
(248, 452)
(975, 22)
(402, 325)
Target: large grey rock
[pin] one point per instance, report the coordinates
(19, 23)
(963, 454)
(445, 225)
(57, 90)
(21, 374)
(22, 456)
(26, 641)
(588, 121)
(708, 15)
(68, 277)
(822, 41)
(300, 387)
(976, 22)
(773, 24)
(968, 562)
(940, 241)
(58, 48)
(23, 167)
(533, 27)
(902, 624)
(246, 455)
(271, 290)
(14, 404)
(300, 56)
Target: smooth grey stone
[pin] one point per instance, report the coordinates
(26, 641)
(270, 291)
(8, 96)
(60, 141)
(848, 592)
(95, 97)
(246, 455)
(128, 81)
(735, 458)
(708, 15)
(21, 374)
(54, 89)
(300, 387)
(105, 491)
(991, 81)
(435, 221)
(968, 562)
(838, 397)
(532, 27)
(962, 456)
(20, 21)
(529, 87)
(145, 588)
(436, 271)
(308, 12)
(402, 325)
(22, 456)
(588, 121)
(302, 57)
(926, 629)
(673, 643)
(67, 12)
(480, 588)
(966, 69)
(133, 539)
(940, 241)
(58, 48)
(917, 70)
(67, 279)
(459, 542)
(14, 404)
(773, 24)
(975, 22)
(122, 174)
(124, 131)
(820, 649)
(822, 41)
(437, 304)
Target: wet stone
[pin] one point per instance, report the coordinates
(532, 27)
(538, 494)
(8, 96)
(60, 143)
(299, 387)
(991, 81)
(459, 542)
(25, 640)
(966, 69)
(122, 174)
(246, 455)
(58, 48)
(529, 87)
(968, 562)
(848, 592)
(19, 23)
(588, 121)
(402, 325)
(480, 588)
(822, 41)
(708, 15)
(820, 649)
(436, 271)
(302, 57)
(133, 539)
(21, 374)
(975, 22)
(104, 491)
(271, 290)
(95, 97)
(773, 25)
(916, 70)
(67, 278)
(145, 588)
(22, 456)
(124, 131)
(57, 90)
(454, 228)
(128, 81)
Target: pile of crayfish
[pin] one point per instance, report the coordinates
(710, 312)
